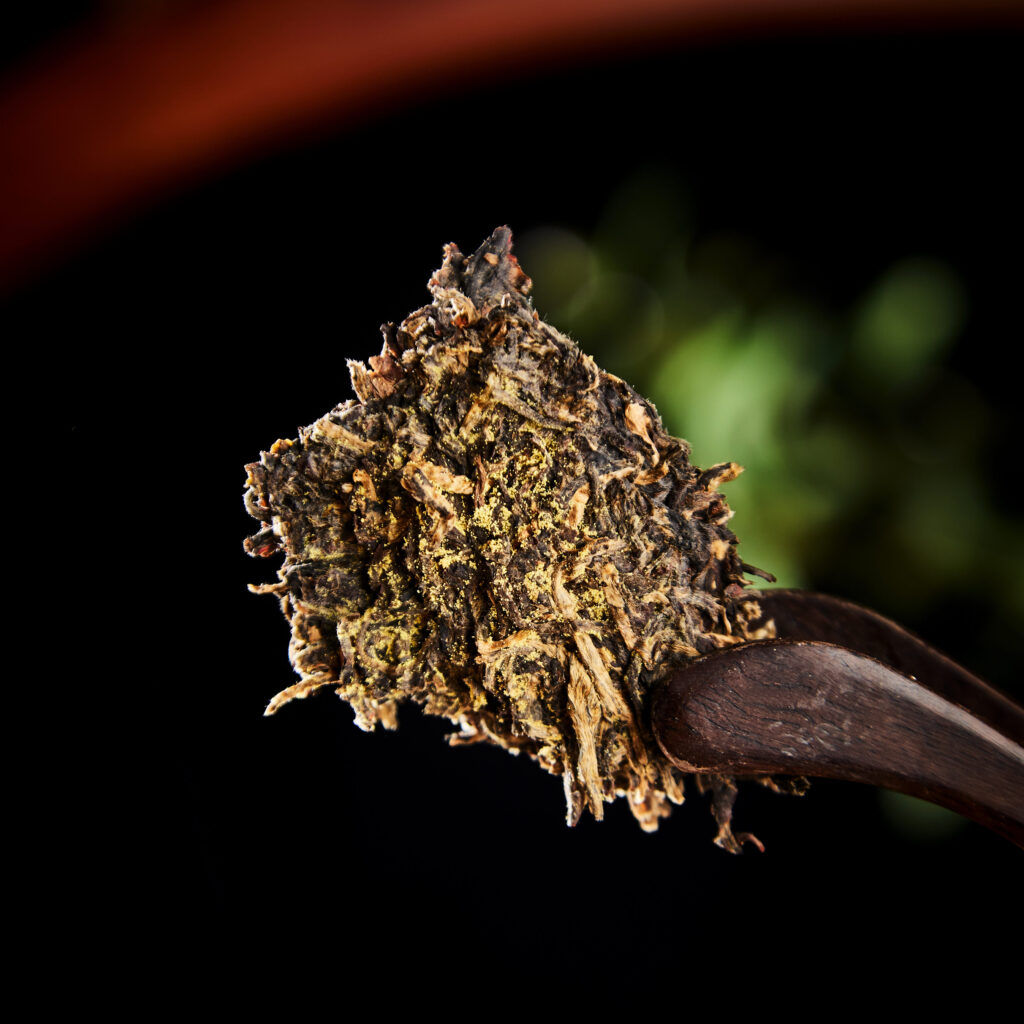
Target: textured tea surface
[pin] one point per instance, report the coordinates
(504, 533)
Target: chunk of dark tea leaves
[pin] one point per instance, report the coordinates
(504, 533)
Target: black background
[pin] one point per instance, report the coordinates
(218, 844)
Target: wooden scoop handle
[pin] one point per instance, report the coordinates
(796, 707)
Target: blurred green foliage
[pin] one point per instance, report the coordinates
(917, 819)
(861, 444)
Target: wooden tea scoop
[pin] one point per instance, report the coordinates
(845, 693)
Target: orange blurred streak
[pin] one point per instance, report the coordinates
(100, 125)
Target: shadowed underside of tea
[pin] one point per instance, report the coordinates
(504, 533)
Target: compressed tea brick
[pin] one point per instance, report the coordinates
(504, 533)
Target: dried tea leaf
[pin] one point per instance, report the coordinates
(504, 533)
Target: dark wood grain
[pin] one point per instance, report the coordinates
(811, 708)
(806, 615)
